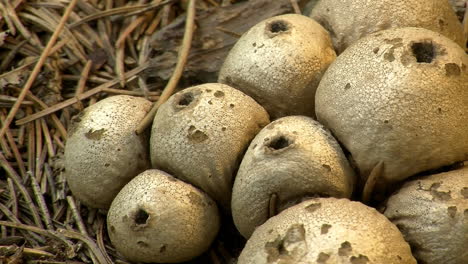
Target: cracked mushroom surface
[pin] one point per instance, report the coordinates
(432, 214)
(201, 133)
(327, 230)
(399, 97)
(158, 218)
(350, 20)
(279, 62)
(290, 159)
(102, 152)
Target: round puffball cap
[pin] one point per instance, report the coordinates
(327, 230)
(201, 133)
(372, 16)
(400, 97)
(291, 158)
(158, 218)
(432, 214)
(279, 62)
(103, 152)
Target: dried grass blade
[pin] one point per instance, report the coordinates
(41, 202)
(83, 96)
(14, 148)
(182, 59)
(37, 68)
(17, 180)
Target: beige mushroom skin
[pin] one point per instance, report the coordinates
(279, 62)
(158, 218)
(350, 20)
(102, 152)
(400, 97)
(200, 134)
(432, 214)
(292, 158)
(327, 230)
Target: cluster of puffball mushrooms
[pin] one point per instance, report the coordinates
(297, 144)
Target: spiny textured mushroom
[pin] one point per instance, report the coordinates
(399, 98)
(350, 20)
(102, 152)
(279, 62)
(200, 134)
(327, 230)
(290, 159)
(158, 218)
(432, 214)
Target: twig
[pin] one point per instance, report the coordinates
(82, 96)
(16, 179)
(182, 59)
(82, 82)
(41, 202)
(77, 216)
(295, 6)
(14, 148)
(37, 68)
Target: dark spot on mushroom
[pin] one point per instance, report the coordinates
(441, 23)
(452, 211)
(452, 69)
(142, 244)
(389, 55)
(231, 105)
(278, 26)
(347, 86)
(195, 199)
(439, 195)
(163, 248)
(313, 207)
(112, 228)
(327, 167)
(118, 149)
(106, 165)
(254, 44)
(95, 134)
(439, 110)
(361, 259)
(322, 258)
(218, 94)
(400, 258)
(210, 102)
(291, 247)
(141, 217)
(223, 128)
(464, 192)
(376, 50)
(195, 135)
(280, 142)
(345, 249)
(208, 90)
(424, 52)
(385, 121)
(324, 229)
(185, 99)
(465, 213)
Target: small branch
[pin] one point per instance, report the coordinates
(181, 61)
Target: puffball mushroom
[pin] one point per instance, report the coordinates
(102, 152)
(290, 159)
(279, 62)
(432, 214)
(158, 218)
(350, 20)
(327, 230)
(200, 134)
(399, 98)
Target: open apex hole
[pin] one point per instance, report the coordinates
(141, 217)
(423, 51)
(186, 99)
(278, 26)
(279, 143)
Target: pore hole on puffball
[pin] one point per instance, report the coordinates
(278, 26)
(424, 52)
(186, 99)
(141, 217)
(280, 142)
